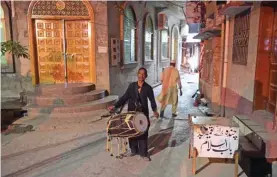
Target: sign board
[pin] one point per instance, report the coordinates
(102, 49)
(215, 137)
(216, 141)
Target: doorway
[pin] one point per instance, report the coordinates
(266, 65)
(62, 42)
(54, 38)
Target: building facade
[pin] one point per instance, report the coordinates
(238, 72)
(104, 42)
(42, 26)
(148, 36)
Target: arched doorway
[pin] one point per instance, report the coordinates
(62, 42)
(175, 46)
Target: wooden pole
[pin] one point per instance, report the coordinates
(190, 124)
(236, 164)
(194, 161)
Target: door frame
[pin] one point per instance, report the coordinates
(32, 37)
(262, 80)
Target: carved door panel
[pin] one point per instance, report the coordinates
(78, 46)
(49, 51)
(50, 39)
(273, 69)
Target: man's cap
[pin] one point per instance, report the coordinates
(172, 62)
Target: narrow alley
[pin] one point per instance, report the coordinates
(85, 156)
(65, 63)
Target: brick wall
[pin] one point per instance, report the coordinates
(210, 85)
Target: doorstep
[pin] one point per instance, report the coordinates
(263, 139)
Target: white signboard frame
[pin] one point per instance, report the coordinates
(213, 137)
(216, 141)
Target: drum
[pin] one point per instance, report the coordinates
(129, 124)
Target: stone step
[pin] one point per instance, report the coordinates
(44, 100)
(78, 114)
(68, 109)
(59, 89)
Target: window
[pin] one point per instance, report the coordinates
(194, 28)
(129, 35)
(148, 39)
(241, 37)
(164, 45)
(7, 62)
(3, 37)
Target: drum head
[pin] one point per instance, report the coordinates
(140, 122)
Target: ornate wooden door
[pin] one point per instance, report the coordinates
(51, 35)
(266, 64)
(78, 46)
(49, 51)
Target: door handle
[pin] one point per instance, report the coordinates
(73, 54)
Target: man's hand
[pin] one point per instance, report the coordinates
(156, 114)
(110, 108)
(181, 93)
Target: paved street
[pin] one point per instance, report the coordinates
(81, 151)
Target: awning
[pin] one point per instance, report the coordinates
(233, 8)
(208, 33)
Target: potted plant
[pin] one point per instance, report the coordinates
(14, 48)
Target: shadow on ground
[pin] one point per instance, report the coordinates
(8, 116)
(11, 110)
(165, 138)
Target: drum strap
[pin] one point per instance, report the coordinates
(127, 119)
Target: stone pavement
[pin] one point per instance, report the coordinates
(80, 151)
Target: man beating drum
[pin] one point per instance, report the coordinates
(136, 95)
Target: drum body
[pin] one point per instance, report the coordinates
(129, 124)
